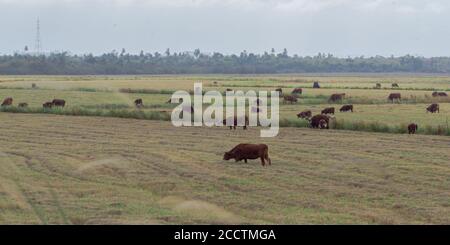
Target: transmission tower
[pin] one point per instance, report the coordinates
(38, 45)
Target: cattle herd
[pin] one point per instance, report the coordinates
(255, 151)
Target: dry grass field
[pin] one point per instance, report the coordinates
(89, 170)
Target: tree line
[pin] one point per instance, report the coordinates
(116, 63)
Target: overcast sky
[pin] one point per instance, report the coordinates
(304, 27)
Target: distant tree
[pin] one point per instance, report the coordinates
(197, 53)
(167, 53)
(26, 49)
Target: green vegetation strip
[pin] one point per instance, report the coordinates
(299, 123)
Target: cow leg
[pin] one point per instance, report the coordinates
(262, 161)
(266, 156)
(245, 160)
(245, 127)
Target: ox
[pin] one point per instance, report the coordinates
(249, 151)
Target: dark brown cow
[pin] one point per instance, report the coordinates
(290, 98)
(7, 102)
(249, 151)
(47, 105)
(304, 114)
(316, 85)
(233, 123)
(59, 102)
(395, 85)
(329, 110)
(138, 103)
(346, 108)
(439, 94)
(433, 108)
(23, 105)
(395, 96)
(297, 91)
(336, 97)
(315, 121)
(412, 128)
(229, 90)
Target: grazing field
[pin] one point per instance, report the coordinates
(90, 170)
(114, 96)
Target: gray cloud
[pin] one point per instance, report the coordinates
(342, 27)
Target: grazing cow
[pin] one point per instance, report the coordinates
(58, 102)
(433, 108)
(412, 128)
(249, 151)
(280, 91)
(316, 85)
(23, 105)
(233, 123)
(315, 121)
(439, 94)
(138, 103)
(304, 114)
(378, 86)
(7, 102)
(48, 105)
(229, 90)
(297, 91)
(329, 110)
(395, 85)
(395, 96)
(346, 108)
(290, 98)
(336, 97)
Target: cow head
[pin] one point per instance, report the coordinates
(227, 156)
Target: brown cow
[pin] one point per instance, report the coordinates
(395, 96)
(59, 102)
(315, 121)
(433, 108)
(138, 103)
(304, 114)
(329, 110)
(378, 86)
(290, 98)
(336, 97)
(7, 102)
(395, 85)
(439, 94)
(233, 123)
(48, 105)
(249, 151)
(412, 128)
(23, 105)
(346, 108)
(297, 91)
(316, 85)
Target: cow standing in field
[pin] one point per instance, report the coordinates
(249, 151)
(297, 91)
(336, 97)
(316, 85)
(138, 103)
(59, 102)
(346, 108)
(395, 96)
(47, 105)
(395, 85)
(377, 86)
(304, 114)
(236, 121)
(7, 102)
(23, 105)
(317, 121)
(433, 108)
(439, 94)
(329, 110)
(412, 128)
(290, 98)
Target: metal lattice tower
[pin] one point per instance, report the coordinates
(38, 45)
